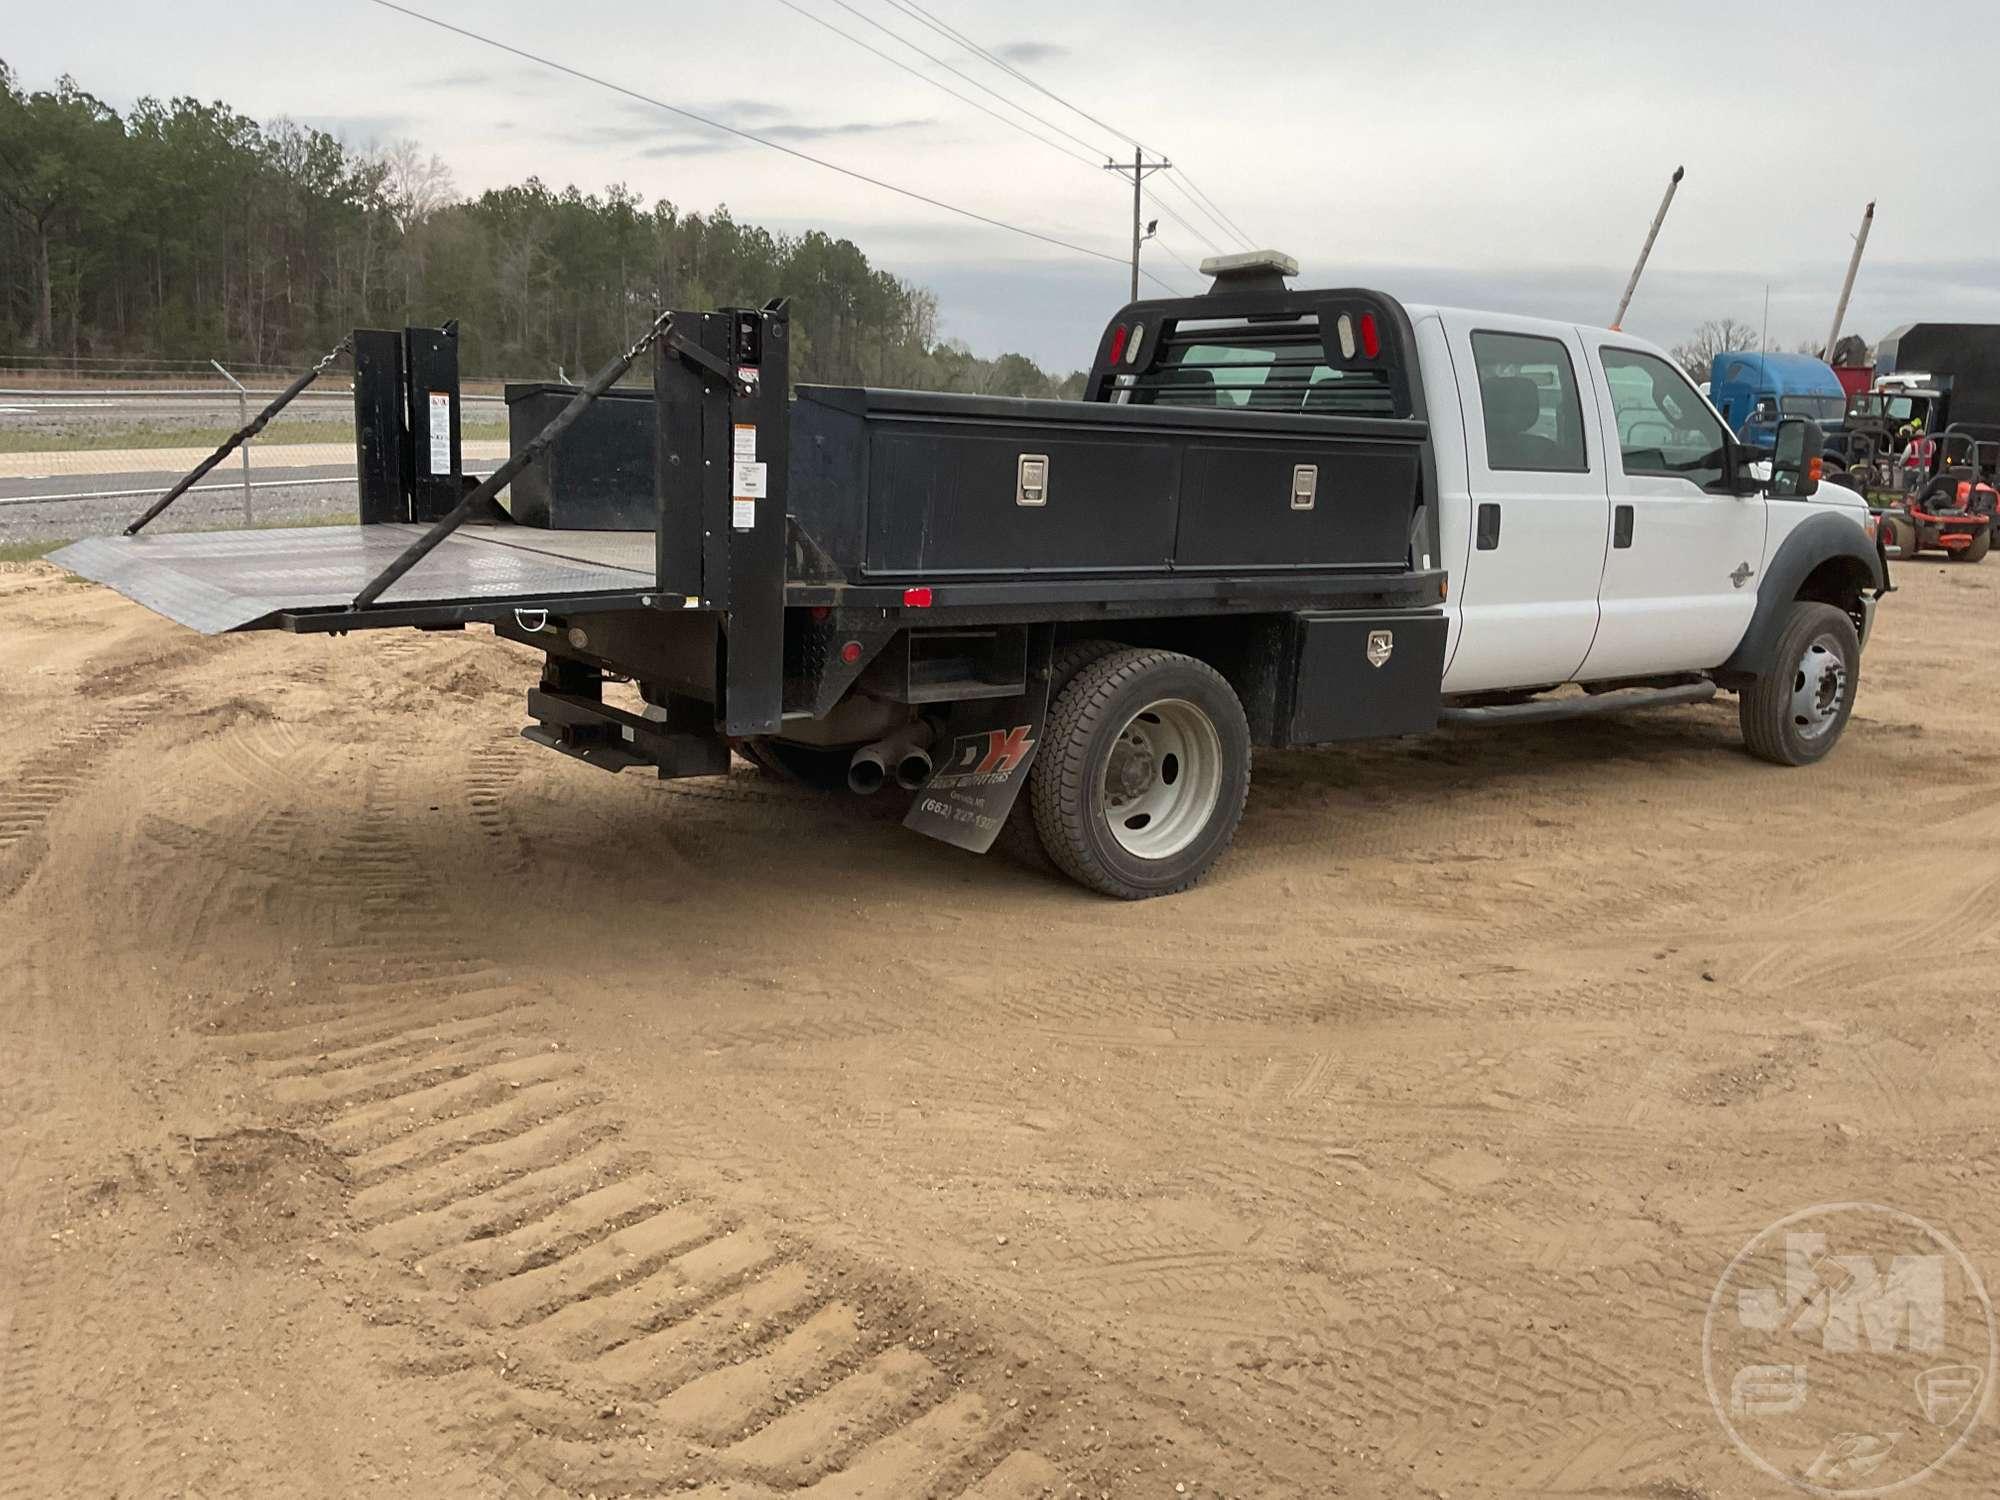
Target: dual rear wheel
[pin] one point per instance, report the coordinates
(1143, 770)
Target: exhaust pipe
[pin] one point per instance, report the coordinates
(914, 769)
(867, 771)
(907, 751)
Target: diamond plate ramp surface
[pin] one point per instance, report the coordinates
(218, 581)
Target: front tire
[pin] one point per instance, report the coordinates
(1793, 714)
(1142, 775)
(1902, 542)
(1976, 550)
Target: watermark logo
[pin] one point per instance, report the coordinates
(1849, 1350)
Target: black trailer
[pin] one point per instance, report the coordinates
(851, 586)
(1962, 359)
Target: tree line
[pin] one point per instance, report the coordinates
(183, 231)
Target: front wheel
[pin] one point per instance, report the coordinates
(1901, 539)
(1142, 774)
(1976, 549)
(1792, 715)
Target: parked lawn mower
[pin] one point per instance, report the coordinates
(1953, 513)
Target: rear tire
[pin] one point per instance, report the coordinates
(1019, 839)
(1793, 714)
(1976, 550)
(1144, 767)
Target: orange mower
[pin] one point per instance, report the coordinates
(1954, 513)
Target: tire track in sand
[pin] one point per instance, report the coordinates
(573, 1307)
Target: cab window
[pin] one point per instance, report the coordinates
(1528, 397)
(1260, 370)
(1665, 430)
(1819, 408)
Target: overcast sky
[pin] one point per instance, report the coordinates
(1493, 154)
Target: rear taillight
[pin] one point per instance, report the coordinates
(1118, 335)
(1371, 341)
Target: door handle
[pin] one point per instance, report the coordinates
(1621, 526)
(1489, 527)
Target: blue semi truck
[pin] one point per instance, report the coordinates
(1752, 391)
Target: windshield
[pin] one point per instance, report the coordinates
(1819, 408)
(1895, 408)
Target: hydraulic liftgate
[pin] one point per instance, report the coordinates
(434, 548)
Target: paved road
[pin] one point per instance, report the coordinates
(295, 482)
(202, 509)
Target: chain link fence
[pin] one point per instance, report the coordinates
(83, 456)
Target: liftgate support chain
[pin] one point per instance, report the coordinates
(476, 500)
(243, 435)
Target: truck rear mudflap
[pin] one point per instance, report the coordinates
(305, 578)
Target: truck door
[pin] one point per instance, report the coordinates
(1680, 577)
(1526, 545)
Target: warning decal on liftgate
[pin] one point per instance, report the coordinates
(749, 483)
(440, 432)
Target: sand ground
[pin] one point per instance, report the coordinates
(391, 1107)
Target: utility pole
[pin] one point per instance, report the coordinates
(1140, 169)
(1847, 286)
(1646, 250)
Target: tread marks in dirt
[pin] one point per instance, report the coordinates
(37, 790)
(610, 1333)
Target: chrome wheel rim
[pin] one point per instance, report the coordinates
(1819, 688)
(1162, 779)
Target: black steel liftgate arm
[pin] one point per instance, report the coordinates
(243, 435)
(476, 500)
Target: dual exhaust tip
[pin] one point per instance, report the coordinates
(905, 755)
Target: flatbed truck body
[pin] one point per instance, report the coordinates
(1245, 534)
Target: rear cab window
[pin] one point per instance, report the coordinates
(1257, 367)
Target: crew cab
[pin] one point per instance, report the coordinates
(1277, 518)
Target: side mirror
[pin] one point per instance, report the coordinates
(1796, 458)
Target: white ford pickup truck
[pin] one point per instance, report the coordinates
(1277, 518)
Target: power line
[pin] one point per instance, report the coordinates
(1194, 229)
(867, 46)
(1194, 204)
(1194, 188)
(911, 8)
(916, 10)
(1174, 256)
(947, 88)
(747, 135)
(940, 62)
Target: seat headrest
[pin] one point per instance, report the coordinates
(1513, 403)
(1196, 386)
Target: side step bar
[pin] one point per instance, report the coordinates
(1543, 711)
(612, 739)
